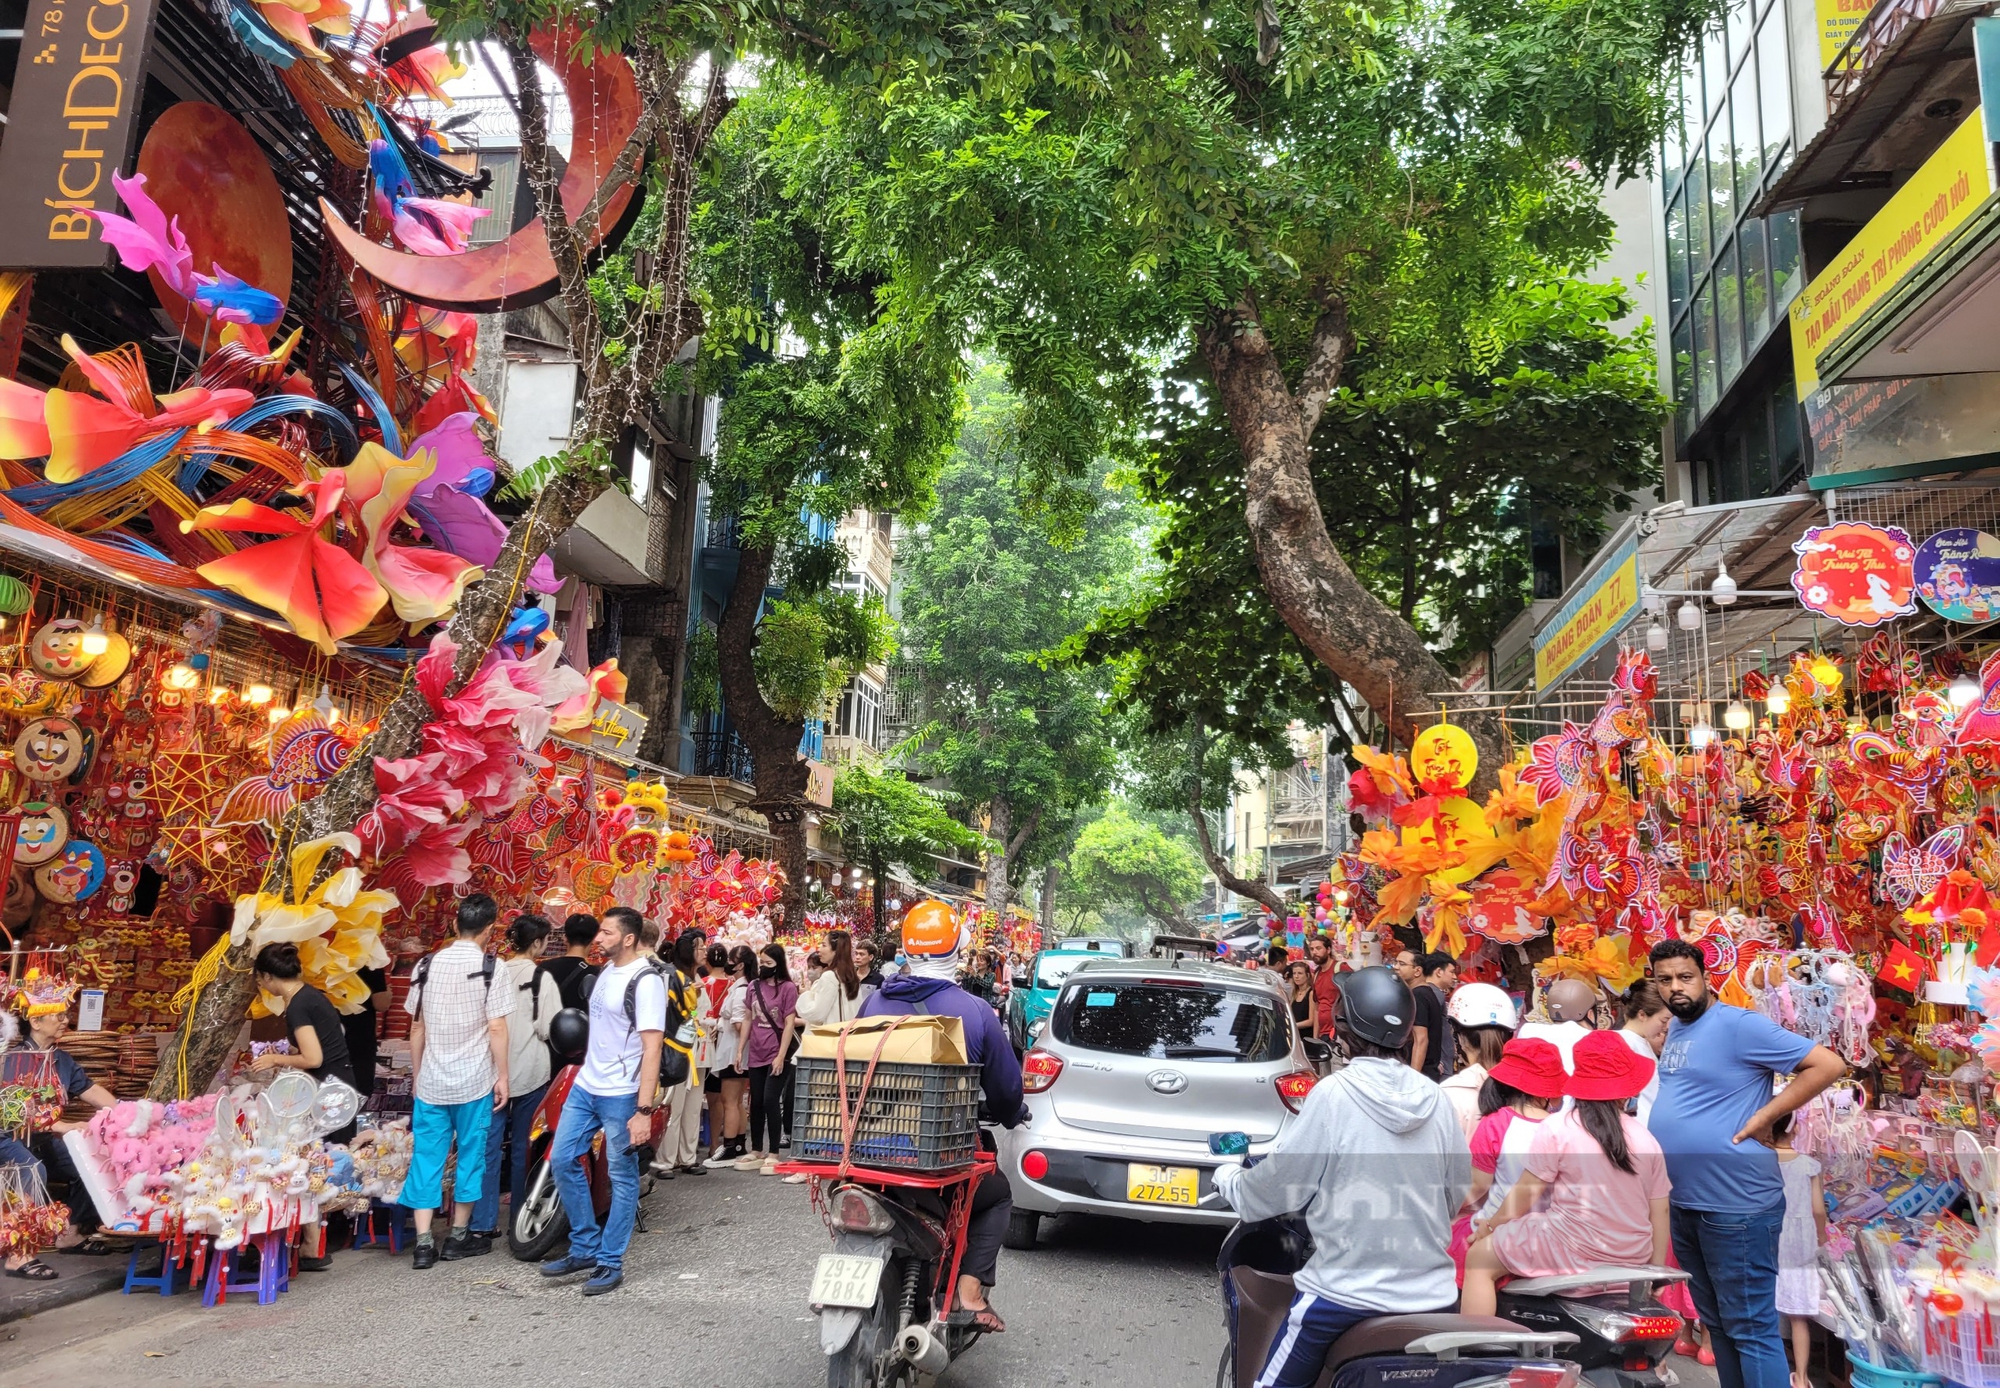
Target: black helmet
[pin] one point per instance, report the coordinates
(1376, 1006)
(569, 1033)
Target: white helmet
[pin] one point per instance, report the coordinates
(1482, 1005)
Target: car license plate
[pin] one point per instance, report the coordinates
(845, 1280)
(1163, 1185)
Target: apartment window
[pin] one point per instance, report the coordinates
(860, 715)
(1730, 276)
(1756, 449)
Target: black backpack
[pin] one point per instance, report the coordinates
(422, 975)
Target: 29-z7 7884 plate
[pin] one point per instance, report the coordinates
(844, 1279)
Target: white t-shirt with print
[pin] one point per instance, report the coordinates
(611, 1066)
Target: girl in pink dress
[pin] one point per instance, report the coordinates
(1594, 1192)
(1516, 1098)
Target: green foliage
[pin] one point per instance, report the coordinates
(589, 456)
(986, 589)
(808, 649)
(1121, 860)
(884, 817)
(703, 692)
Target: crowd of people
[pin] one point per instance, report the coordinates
(1461, 1145)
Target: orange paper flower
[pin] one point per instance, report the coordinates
(314, 584)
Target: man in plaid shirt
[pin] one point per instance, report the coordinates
(458, 1051)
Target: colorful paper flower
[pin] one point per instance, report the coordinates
(423, 584)
(337, 925)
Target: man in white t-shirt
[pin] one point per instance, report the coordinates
(615, 1093)
(458, 1050)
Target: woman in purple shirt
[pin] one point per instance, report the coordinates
(773, 1001)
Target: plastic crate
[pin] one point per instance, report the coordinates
(916, 1117)
(1961, 1348)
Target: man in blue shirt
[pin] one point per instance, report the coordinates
(1713, 1120)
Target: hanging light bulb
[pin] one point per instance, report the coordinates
(258, 695)
(1779, 701)
(1736, 717)
(96, 641)
(1722, 592)
(1656, 637)
(180, 675)
(279, 713)
(1656, 603)
(218, 695)
(1689, 616)
(1700, 735)
(1963, 691)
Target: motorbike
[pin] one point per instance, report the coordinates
(1434, 1350)
(538, 1222)
(885, 1294)
(1622, 1332)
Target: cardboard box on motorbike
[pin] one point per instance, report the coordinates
(914, 1041)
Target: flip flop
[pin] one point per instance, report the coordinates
(987, 1320)
(34, 1270)
(93, 1247)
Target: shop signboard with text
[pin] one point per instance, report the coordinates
(1837, 21)
(1598, 611)
(69, 128)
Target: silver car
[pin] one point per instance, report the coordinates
(1140, 1061)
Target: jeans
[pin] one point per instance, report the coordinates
(508, 1125)
(1732, 1265)
(583, 1115)
(433, 1128)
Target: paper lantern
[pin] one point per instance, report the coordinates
(1443, 759)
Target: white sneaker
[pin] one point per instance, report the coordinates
(720, 1160)
(797, 1178)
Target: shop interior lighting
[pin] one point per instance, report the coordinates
(96, 641)
(1963, 691)
(1779, 701)
(181, 675)
(1737, 716)
(1722, 592)
(1689, 615)
(1700, 735)
(1656, 637)
(258, 695)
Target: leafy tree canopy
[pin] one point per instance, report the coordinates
(1120, 859)
(884, 818)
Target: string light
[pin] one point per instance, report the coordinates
(258, 695)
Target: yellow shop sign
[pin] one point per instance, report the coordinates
(1596, 613)
(1838, 19)
(1922, 215)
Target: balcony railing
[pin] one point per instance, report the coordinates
(1881, 31)
(724, 532)
(722, 754)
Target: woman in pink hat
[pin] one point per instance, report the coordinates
(1518, 1094)
(1594, 1191)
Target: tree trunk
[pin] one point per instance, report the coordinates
(777, 770)
(999, 862)
(207, 1032)
(1051, 884)
(1218, 862)
(1345, 626)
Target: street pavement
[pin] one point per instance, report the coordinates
(714, 1297)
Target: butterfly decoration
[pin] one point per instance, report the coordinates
(1912, 872)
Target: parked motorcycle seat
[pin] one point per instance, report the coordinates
(1393, 1334)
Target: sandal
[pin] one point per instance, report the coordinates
(94, 1247)
(35, 1270)
(987, 1320)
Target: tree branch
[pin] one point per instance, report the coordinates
(1223, 869)
(1332, 344)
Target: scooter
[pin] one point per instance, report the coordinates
(1434, 1350)
(885, 1294)
(1622, 1332)
(538, 1222)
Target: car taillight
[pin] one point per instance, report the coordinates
(858, 1212)
(1294, 1087)
(1544, 1375)
(1035, 1165)
(1039, 1070)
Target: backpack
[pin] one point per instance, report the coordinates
(422, 975)
(676, 1044)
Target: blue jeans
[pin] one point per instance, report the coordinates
(583, 1115)
(1732, 1265)
(1298, 1355)
(508, 1124)
(433, 1129)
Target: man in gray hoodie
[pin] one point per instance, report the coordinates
(1377, 1163)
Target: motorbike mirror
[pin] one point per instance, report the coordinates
(1228, 1144)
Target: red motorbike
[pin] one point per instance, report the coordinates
(539, 1222)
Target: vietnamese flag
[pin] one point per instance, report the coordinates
(1989, 947)
(1902, 968)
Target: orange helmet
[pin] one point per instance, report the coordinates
(930, 928)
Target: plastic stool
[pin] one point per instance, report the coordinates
(392, 1217)
(274, 1275)
(164, 1279)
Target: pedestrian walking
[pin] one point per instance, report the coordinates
(680, 1147)
(1593, 1191)
(1428, 1037)
(1714, 1118)
(1798, 1247)
(573, 971)
(731, 1084)
(1572, 1006)
(458, 1051)
(614, 1094)
(1305, 1004)
(773, 1009)
(836, 996)
(1482, 1020)
(868, 959)
(1326, 984)
(537, 999)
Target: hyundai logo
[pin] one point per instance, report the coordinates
(1167, 1081)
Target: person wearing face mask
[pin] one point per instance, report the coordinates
(1713, 1119)
(773, 1004)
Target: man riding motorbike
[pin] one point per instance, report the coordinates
(933, 942)
(1378, 1165)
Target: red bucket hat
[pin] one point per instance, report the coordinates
(1607, 1068)
(1531, 1065)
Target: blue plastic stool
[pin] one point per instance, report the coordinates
(392, 1217)
(164, 1279)
(274, 1272)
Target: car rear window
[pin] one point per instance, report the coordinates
(1172, 1021)
(1054, 968)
